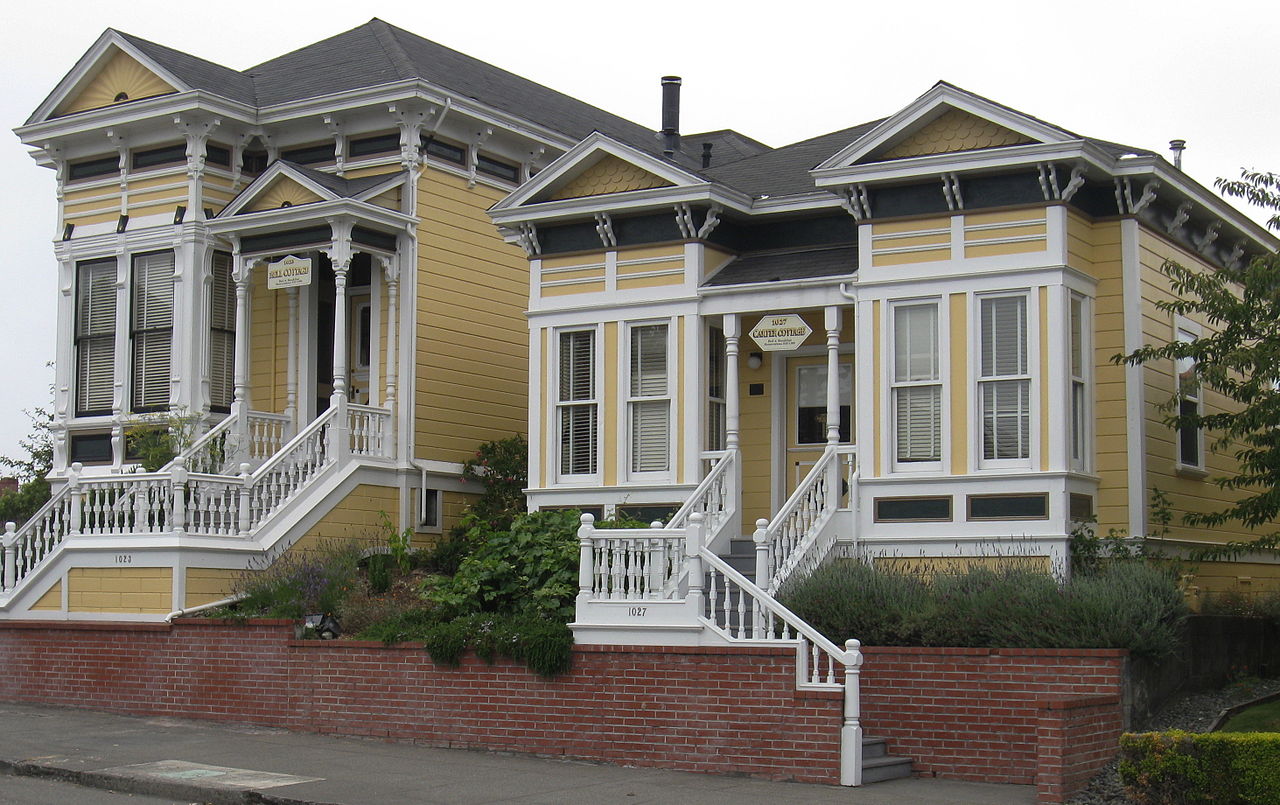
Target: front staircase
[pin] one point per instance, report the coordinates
(228, 490)
(692, 582)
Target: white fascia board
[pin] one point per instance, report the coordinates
(273, 171)
(318, 212)
(588, 149)
(410, 89)
(393, 180)
(773, 296)
(93, 121)
(1171, 177)
(634, 200)
(963, 161)
(84, 66)
(800, 202)
(940, 95)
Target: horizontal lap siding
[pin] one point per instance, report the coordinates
(472, 339)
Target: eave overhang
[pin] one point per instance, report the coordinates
(283, 218)
(1080, 152)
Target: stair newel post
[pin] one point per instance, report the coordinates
(657, 562)
(761, 539)
(851, 730)
(693, 538)
(76, 498)
(586, 572)
(178, 517)
(243, 516)
(10, 555)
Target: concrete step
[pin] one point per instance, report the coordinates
(878, 765)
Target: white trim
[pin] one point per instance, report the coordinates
(597, 400)
(888, 404)
(1134, 390)
(1031, 322)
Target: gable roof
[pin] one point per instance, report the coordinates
(785, 171)
(196, 72)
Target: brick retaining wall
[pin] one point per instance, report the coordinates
(1047, 718)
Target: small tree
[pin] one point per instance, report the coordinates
(33, 489)
(1240, 359)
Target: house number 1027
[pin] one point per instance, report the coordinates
(637, 612)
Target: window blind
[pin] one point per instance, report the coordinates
(222, 336)
(95, 336)
(1004, 384)
(152, 329)
(917, 392)
(650, 406)
(578, 412)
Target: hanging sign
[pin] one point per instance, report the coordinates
(289, 272)
(780, 333)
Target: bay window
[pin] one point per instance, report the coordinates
(1079, 388)
(1004, 380)
(577, 403)
(152, 329)
(916, 385)
(649, 400)
(95, 336)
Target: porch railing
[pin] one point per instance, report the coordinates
(201, 503)
(618, 566)
(801, 535)
(715, 498)
(218, 450)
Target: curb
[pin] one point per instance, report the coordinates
(1229, 713)
(189, 792)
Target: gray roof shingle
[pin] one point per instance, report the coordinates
(787, 264)
(785, 171)
(197, 72)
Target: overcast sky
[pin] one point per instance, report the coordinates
(1140, 73)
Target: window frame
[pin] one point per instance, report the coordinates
(111, 267)
(634, 400)
(892, 384)
(1192, 331)
(222, 331)
(1079, 382)
(137, 381)
(717, 412)
(593, 402)
(1026, 378)
(845, 364)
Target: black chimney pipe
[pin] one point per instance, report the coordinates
(670, 114)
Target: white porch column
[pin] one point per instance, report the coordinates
(341, 268)
(392, 276)
(831, 320)
(291, 382)
(731, 398)
(243, 269)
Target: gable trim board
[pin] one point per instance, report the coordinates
(86, 70)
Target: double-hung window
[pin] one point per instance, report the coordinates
(1004, 379)
(95, 336)
(222, 333)
(717, 412)
(1190, 445)
(916, 386)
(1079, 388)
(577, 403)
(649, 402)
(152, 330)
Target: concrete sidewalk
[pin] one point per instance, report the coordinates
(197, 761)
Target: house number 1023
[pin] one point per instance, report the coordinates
(124, 559)
(637, 612)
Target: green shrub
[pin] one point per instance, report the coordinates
(530, 567)
(544, 645)
(301, 582)
(500, 470)
(1173, 768)
(378, 567)
(1129, 605)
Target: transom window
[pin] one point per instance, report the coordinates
(1004, 380)
(577, 403)
(916, 385)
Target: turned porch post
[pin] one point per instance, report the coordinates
(832, 322)
(732, 405)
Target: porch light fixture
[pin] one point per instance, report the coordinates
(67, 230)
(179, 213)
(122, 224)
(755, 360)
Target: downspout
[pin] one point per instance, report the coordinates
(177, 613)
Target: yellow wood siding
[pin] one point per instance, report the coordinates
(208, 584)
(120, 74)
(372, 170)
(281, 192)
(877, 369)
(120, 589)
(268, 345)
(51, 600)
(609, 175)
(919, 240)
(357, 517)
(755, 429)
(1045, 368)
(1186, 492)
(610, 404)
(472, 344)
(953, 130)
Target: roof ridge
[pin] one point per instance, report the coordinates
(387, 37)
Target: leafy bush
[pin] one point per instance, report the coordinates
(501, 469)
(1129, 605)
(301, 582)
(378, 569)
(33, 490)
(530, 567)
(545, 646)
(1177, 768)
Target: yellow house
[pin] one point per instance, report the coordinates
(293, 265)
(893, 341)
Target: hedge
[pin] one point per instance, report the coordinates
(1172, 768)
